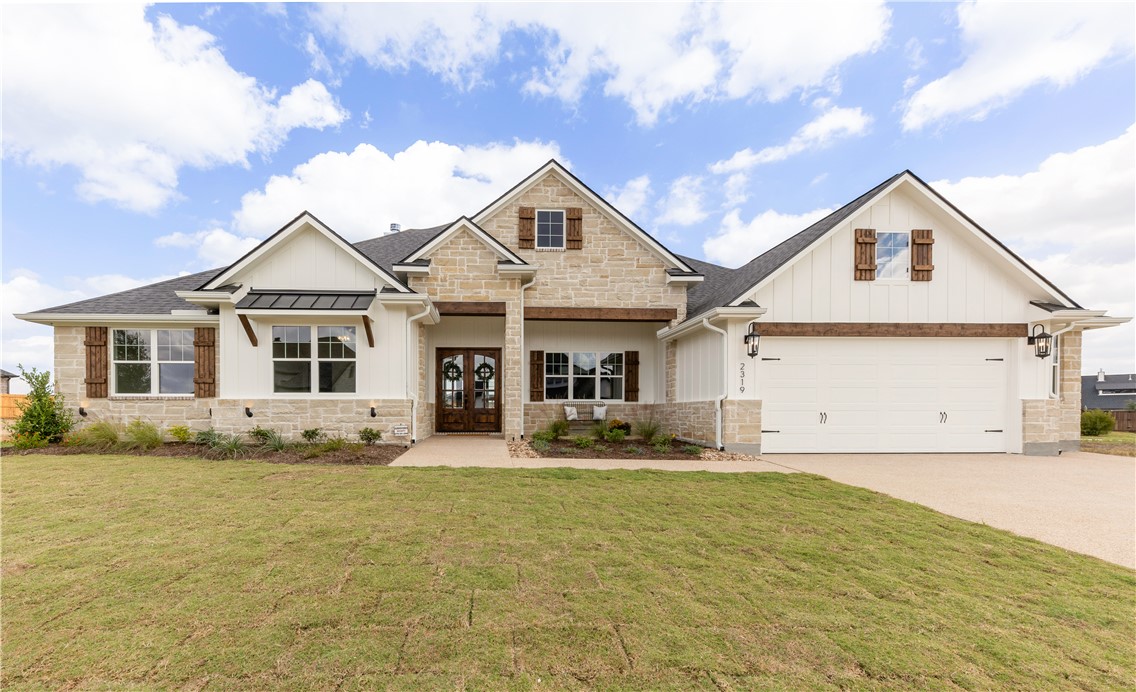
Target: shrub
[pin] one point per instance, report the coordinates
(599, 429)
(275, 442)
(648, 429)
(206, 437)
(541, 446)
(615, 435)
(1130, 406)
(260, 434)
(180, 433)
(29, 440)
(582, 442)
(335, 444)
(313, 435)
(1096, 423)
(42, 412)
(617, 424)
(661, 443)
(632, 449)
(370, 436)
(103, 434)
(558, 429)
(227, 446)
(141, 434)
(545, 436)
(693, 450)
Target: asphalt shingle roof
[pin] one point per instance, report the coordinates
(157, 298)
(1122, 386)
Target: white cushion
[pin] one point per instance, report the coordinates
(599, 412)
(570, 413)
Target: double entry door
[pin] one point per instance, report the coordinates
(468, 388)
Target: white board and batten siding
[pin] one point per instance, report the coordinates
(565, 336)
(311, 260)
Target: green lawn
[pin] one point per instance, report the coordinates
(158, 573)
(1116, 443)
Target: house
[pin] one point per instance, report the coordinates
(6, 379)
(895, 324)
(1108, 392)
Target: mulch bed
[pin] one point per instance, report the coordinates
(356, 454)
(565, 448)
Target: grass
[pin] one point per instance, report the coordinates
(1117, 443)
(164, 572)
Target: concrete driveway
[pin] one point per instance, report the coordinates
(1080, 501)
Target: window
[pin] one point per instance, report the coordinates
(550, 229)
(140, 353)
(893, 255)
(583, 375)
(295, 371)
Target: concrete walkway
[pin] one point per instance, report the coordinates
(1080, 501)
(488, 452)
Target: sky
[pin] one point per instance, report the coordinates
(143, 142)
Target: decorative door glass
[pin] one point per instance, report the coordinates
(453, 382)
(484, 381)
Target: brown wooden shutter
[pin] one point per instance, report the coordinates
(631, 376)
(536, 375)
(574, 235)
(97, 363)
(526, 228)
(921, 243)
(865, 259)
(205, 362)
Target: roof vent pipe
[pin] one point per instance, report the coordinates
(1100, 375)
(395, 228)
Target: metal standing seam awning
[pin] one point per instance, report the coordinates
(306, 302)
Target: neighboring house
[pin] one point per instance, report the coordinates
(5, 380)
(1108, 392)
(895, 324)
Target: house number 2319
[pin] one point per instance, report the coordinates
(742, 377)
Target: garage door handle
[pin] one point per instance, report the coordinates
(771, 359)
(995, 431)
(770, 431)
(823, 418)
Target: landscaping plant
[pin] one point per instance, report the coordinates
(693, 450)
(1096, 423)
(617, 424)
(648, 429)
(615, 435)
(370, 436)
(142, 435)
(42, 412)
(599, 429)
(180, 433)
(545, 436)
(102, 434)
(558, 429)
(206, 437)
(313, 435)
(30, 440)
(227, 446)
(275, 442)
(583, 442)
(260, 434)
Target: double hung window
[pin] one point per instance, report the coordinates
(301, 366)
(583, 375)
(893, 255)
(550, 229)
(152, 361)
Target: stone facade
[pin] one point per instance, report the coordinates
(613, 269)
(1052, 426)
(691, 420)
(539, 415)
(741, 425)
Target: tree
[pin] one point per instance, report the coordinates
(43, 412)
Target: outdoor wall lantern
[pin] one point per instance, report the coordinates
(248, 410)
(752, 340)
(83, 408)
(373, 413)
(1041, 341)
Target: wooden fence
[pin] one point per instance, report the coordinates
(8, 407)
(1125, 420)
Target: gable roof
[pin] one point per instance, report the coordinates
(466, 223)
(1122, 389)
(293, 226)
(387, 250)
(152, 299)
(580, 188)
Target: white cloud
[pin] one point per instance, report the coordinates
(737, 189)
(737, 241)
(683, 203)
(1072, 219)
(835, 123)
(24, 291)
(215, 247)
(652, 56)
(1010, 47)
(361, 192)
(129, 102)
(632, 197)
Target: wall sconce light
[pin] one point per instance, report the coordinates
(373, 412)
(1041, 341)
(83, 408)
(752, 340)
(248, 410)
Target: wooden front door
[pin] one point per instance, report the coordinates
(468, 388)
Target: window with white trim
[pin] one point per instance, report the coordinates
(152, 361)
(583, 375)
(1055, 369)
(330, 371)
(893, 255)
(550, 229)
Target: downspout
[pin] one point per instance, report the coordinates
(524, 287)
(414, 392)
(725, 383)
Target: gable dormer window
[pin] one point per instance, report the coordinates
(893, 255)
(550, 229)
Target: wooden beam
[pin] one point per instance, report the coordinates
(370, 334)
(892, 329)
(482, 308)
(248, 329)
(602, 314)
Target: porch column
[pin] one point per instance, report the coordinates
(514, 362)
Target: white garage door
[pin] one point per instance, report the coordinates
(883, 395)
